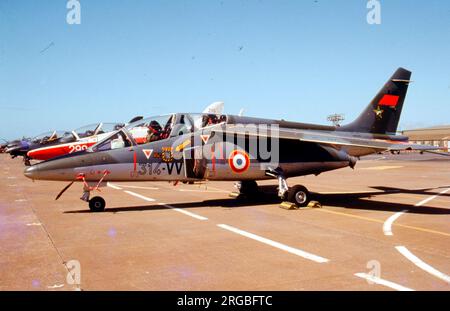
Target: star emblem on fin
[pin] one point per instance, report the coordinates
(378, 112)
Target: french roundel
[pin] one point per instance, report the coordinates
(239, 161)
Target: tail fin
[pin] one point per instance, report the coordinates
(383, 113)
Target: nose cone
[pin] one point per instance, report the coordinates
(32, 171)
(58, 169)
(11, 149)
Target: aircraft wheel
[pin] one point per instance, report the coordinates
(299, 195)
(248, 187)
(97, 204)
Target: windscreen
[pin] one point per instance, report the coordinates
(151, 129)
(115, 141)
(48, 137)
(109, 127)
(202, 120)
(87, 130)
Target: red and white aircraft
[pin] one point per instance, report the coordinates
(77, 140)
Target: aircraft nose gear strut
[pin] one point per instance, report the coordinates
(96, 204)
(297, 195)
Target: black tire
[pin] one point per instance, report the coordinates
(248, 187)
(97, 204)
(299, 195)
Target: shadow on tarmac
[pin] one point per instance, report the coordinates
(267, 195)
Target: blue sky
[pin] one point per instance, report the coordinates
(297, 60)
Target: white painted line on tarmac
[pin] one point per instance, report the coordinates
(200, 190)
(387, 226)
(113, 186)
(381, 168)
(138, 187)
(275, 244)
(34, 224)
(184, 212)
(20, 200)
(432, 197)
(11, 177)
(214, 188)
(140, 196)
(55, 286)
(422, 265)
(380, 158)
(163, 204)
(383, 282)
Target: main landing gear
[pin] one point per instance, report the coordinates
(247, 187)
(297, 195)
(26, 160)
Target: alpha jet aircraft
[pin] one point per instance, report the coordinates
(21, 147)
(196, 147)
(4, 144)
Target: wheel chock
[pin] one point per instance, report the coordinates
(314, 204)
(234, 194)
(291, 206)
(288, 205)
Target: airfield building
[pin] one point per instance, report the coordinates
(438, 136)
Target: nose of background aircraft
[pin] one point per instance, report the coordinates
(32, 171)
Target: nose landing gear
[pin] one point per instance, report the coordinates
(97, 204)
(247, 187)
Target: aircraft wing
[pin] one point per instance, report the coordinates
(447, 154)
(339, 140)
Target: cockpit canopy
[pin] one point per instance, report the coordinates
(97, 128)
(92, 129)
(158, 128)
(48, 137)
(162, 127)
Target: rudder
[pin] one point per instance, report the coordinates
(382, 115)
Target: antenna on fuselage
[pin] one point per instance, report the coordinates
(336, 119)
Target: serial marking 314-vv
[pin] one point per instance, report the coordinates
(195, 147)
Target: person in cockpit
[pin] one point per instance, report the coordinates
(154, 131)
(209, 119)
